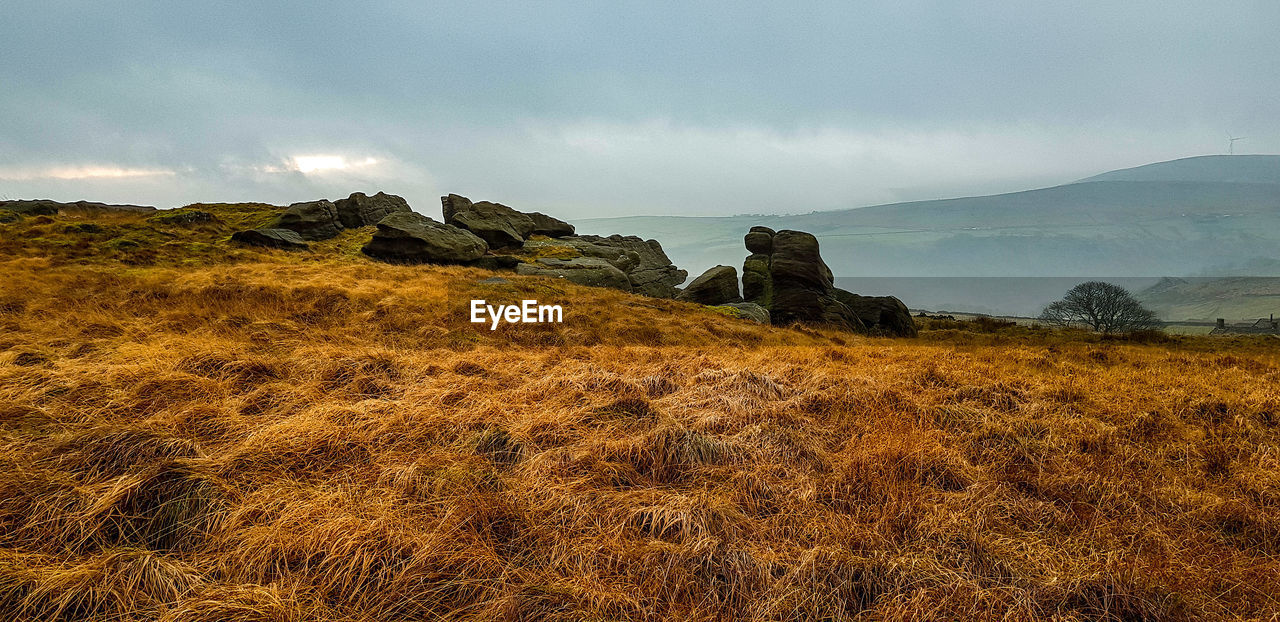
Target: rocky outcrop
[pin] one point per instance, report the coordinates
(884, 315)
(498, 225)
(647, 267)
(549, 226)
(747, 311)
(716, 286)
(45, 207)
(313, 220)
(786, 275)
(652, 273)
(591, 271)
(271, 238)
(361, 210)
(803, 290)
(410, 237)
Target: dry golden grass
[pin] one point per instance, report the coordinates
(330, 439)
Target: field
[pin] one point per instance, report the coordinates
(214, 433)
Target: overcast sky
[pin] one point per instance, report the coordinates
(616, 108)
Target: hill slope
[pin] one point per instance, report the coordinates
(1126, 223)
(202, 432)
(1242, 169)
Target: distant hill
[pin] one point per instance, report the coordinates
(1182, 217)
(1235, 299)
(1242, 169)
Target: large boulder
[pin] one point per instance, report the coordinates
(313, 220)
(652, 273)
(716, 286)
(884, 315)
(361, 210)
(591, 271)
(271, 238)
(495, 223)
(410, 237)
(792, 281)
(759, 240)
(549, 226)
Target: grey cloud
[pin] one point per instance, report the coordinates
(704, 97)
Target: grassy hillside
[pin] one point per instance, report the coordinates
(1131, 224)
(259, 435)
(1235, 299)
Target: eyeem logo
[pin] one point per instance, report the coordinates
(527, 312)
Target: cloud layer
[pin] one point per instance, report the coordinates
(596, 109)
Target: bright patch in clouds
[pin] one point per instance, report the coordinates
(80, 172)
(321, 163)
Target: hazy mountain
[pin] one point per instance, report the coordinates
(1182, 217)
(1242, 169)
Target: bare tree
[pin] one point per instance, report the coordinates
(1103, 307)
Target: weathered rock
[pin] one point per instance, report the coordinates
(271, 238)
(45, 207)
(747, 311)
(798, 286)
(361, 210)
(549, 226)
(452, 204)
(757, 282)
(497, 224)
(494, 280)
(182, 218)
(652, 274)
(591, 271)
(881, 314)
(716, 286)
(313, 220)
(759, 240)
(496, 262)
(410, 237)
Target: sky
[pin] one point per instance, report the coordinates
(589, 109)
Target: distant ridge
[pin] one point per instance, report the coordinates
(1181, 217)
(1236, 169)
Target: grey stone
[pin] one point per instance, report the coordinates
(361, 210)
(884, 315)
(410, 237)
(496, 262)
(716, 286)
(271, 238)
(549, 226)
(591, 271)
(313, 220)
(651, 273)
(748, 311)
(452, 204)
(495, 223)
(759, 240)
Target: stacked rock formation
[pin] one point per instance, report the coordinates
(786, 275)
